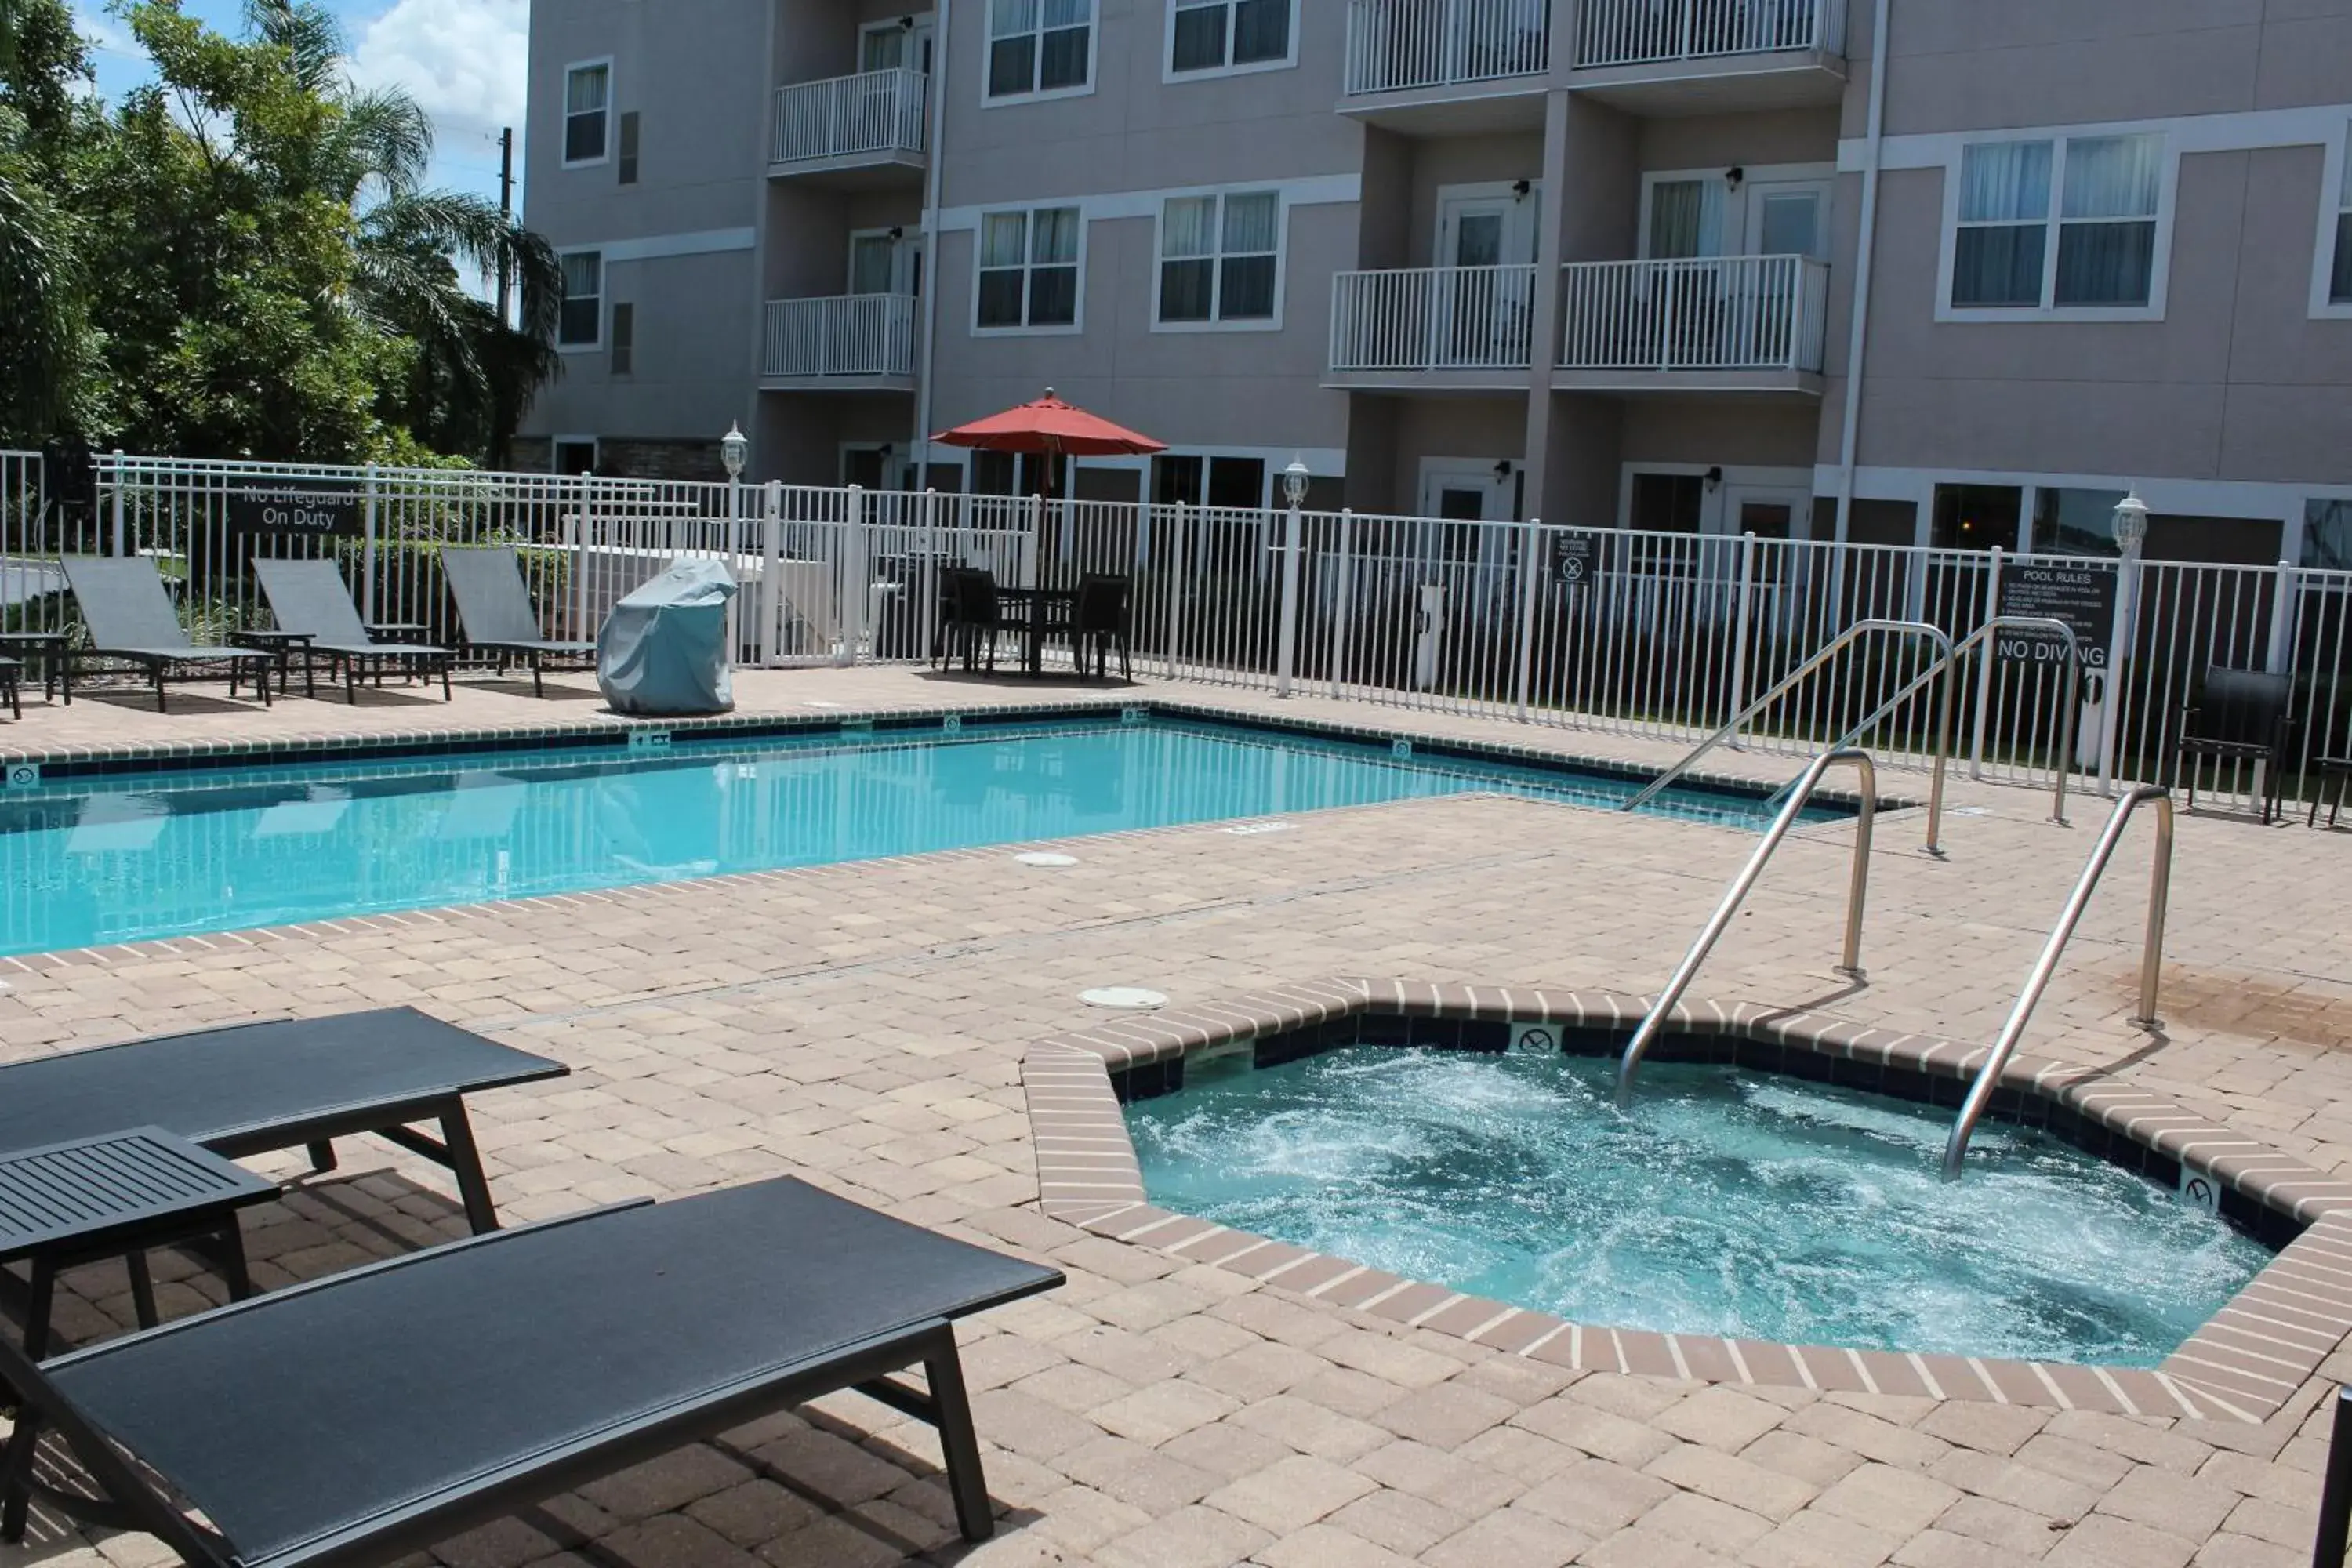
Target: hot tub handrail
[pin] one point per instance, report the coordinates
(1801, 795)
(2150, 965)
(1797, 676)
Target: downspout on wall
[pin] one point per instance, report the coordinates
(932, 179)
(1865, 257)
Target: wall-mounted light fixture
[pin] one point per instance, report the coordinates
(1503, 472)
(1735, 176)
(1521, 188)
(1714, 480)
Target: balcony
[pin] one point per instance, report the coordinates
(853, 342)
(860, 132)
(1705, 56)
(1433, 329)
(1447, 66)
(1731, 323)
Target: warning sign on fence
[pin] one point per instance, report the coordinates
(318, 508)
(2080, 592)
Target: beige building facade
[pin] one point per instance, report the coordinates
(1939, 272)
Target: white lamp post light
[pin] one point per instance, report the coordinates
(1294, 487)
(733, 448)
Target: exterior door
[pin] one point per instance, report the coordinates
(1467, 505)
(1788, 218)
(886, 45)
(879, 264)
(1483, 315)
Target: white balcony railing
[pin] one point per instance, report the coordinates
(1433, 317)
(1647, 32)
(1397, 44)
(852, 334)
(1729, 312)
(874, 113)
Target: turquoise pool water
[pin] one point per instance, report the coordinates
(1740, 1205)
(131, 857)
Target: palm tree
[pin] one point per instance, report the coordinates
(474, 374)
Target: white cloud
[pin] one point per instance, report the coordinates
(464, 61)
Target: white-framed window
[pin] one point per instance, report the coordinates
(2071, 227)
(587, 113)
(1030, 272)
(2331, 280)
(581, 324)
(1220, 261)
(1225, 37)
(1038, 48)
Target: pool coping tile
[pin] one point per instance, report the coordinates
(2241, 1364)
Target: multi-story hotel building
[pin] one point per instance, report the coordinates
(1950, 272)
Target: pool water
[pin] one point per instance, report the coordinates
(125, 858)
(1725, 1203)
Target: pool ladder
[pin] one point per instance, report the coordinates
(2151, 962)
(1801, 795)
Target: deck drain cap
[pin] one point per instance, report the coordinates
(1044, 857)
(1127, 998)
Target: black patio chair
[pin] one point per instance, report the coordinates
(130, 616)
(307, 599)
(1102, 617)
(357, 1419)
(979, 615)
(12, 672)
(494, 609)
(2239, 716)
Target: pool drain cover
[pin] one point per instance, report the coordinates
(1042, 858)
(1127, 998)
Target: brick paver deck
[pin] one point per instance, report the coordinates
(864, 1026)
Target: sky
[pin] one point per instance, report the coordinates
(462, 60)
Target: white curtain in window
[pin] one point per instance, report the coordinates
(1067, 13)
(2005, 182)
(1003, 238)
(583, 93)
(1250, 222)
(1686, 219)
(1188, 228)
(583, 274)
(1011, 18)
(2113, 177)
(1054, 238)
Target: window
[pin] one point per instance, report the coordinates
(1029, 269)
(2339, 275)
(575, 455)
(1975, 517)
(1667, 504)
(587, 104)
(2075, 522)
(2101, 193)
(1227, 34)
(2327, 535)
(1039, 46)
(628, 159)
(1219, 257)
(583, 300)
(625, 339)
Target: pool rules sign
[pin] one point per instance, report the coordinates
(313, 509)
(2080, 592)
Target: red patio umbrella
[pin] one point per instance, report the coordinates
(1052, 429)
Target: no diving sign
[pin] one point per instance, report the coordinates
(1577, 555)
(2080, 592)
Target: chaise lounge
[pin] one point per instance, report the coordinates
(357, 1419)
(130, 616)
(494, 608)
(307, 600)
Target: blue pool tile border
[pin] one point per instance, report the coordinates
(2244, 1365)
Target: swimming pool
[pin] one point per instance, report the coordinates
(1727, 1203)
(123, 858)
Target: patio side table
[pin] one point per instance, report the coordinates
(2334, 772)
(53, 651)
(115, 1196)
(285, 645)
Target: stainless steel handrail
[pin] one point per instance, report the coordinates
(1798, 676)
(1801, 795)
(1950, 663)
(2151, 963)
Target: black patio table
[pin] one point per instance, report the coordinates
(1047, 611)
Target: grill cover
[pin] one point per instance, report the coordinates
(663, 650)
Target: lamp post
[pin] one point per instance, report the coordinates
(1295, 480)
(733, 448)
(2129, 529)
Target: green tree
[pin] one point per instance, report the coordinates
(43, 304)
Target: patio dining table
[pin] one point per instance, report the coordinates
(1041, 612)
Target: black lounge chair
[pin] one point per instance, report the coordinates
(494, 608)
(2241, 716)
(1103, 618)
(285, 1084)
(130, 616)
(357, 1419)
(12, 672)
(307, 599)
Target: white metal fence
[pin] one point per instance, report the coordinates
(1398, 43)
(1662, 635)
(1731, 312)
(848, 334)
(873, 113)
(1644, 32)
(1433, 317)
